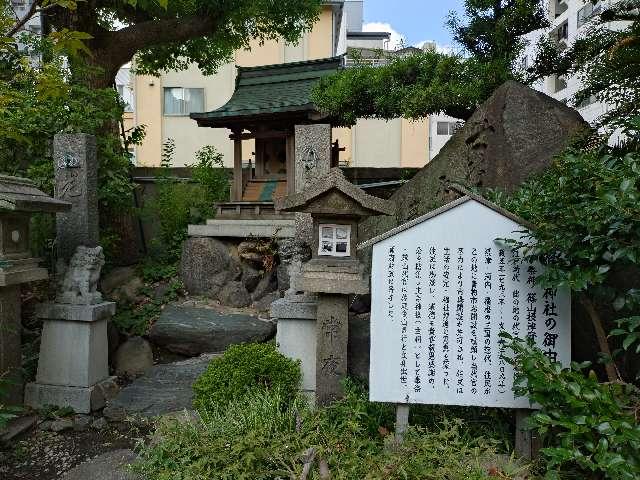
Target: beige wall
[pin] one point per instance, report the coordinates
(148, 112)
(415, 143)
(321, 37)
(380, 143)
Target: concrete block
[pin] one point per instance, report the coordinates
(73, 353)
(335, 283)
(245, 228)
(76, 313)
(301, 307)
(296, 339)
(80, 399)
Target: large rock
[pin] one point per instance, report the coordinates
(250, 277)
(192, 330)
(234, 294)
(267, 284)
(134, 357)
(108, 466)
(206, 266)
(164, 389)
(116, 277)
(514, 134)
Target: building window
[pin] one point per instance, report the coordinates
(586, 12)
(588, 101)
(183, 101)
(561, 7)
(335, 240)
(559, 83)
(563, 32)
(126, 96)
(447, 128)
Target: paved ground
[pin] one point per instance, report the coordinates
(46, 455)
(164, 389)
(109, 466)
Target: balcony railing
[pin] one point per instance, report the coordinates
(369, 62)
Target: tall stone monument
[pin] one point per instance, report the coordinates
(313, 153)
(19, 199)
(296, 312)
(76, 175)
(73, 366)
(334, 272)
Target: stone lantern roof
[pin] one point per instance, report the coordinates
(21, 195)
(333, 194)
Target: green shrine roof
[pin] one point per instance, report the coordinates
(271, 92)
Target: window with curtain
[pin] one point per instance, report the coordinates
(183, 101)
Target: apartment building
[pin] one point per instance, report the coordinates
(569, 20)
(32, 26)
(163, 103)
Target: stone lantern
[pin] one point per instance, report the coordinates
(334, 272)
(19, 199)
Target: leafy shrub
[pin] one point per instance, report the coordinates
(136, 319)
(243, 367)
(590, 427)
(6, 412)
(180, 203)
(264, 434)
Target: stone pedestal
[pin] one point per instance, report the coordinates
(332, 333)
(73, 367)
(76, 174)
(17, 271)
(10, 341)
(296, 335)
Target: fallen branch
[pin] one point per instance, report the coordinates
(308, 458)
(325, 473)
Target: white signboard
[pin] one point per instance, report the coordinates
(442, 292)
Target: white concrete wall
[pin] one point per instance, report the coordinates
(591, 112)
(436, 142)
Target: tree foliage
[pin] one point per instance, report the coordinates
(431, 82)
(170, 35)
(605, 58)
(590, 428)
(586, 211)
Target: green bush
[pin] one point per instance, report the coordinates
(244, 367)
(590, 428)
(6, 412)
(264, 434)
(179, 203)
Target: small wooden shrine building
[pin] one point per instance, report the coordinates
(267, 104)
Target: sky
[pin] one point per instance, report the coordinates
(413, 20)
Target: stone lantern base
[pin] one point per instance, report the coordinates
(73, 367)
(296, 336)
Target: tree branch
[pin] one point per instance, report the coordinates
(21, 23)
(143, 35)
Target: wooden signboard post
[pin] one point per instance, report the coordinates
(443, 289)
